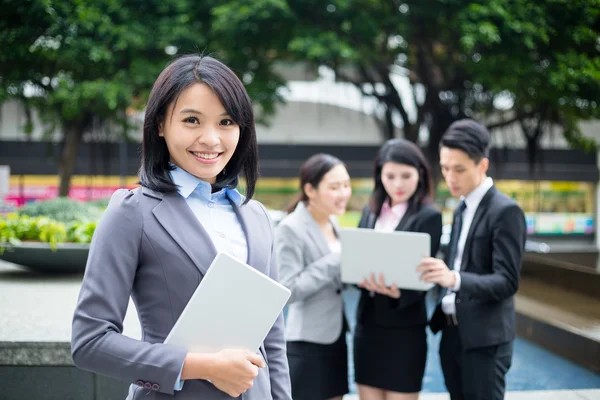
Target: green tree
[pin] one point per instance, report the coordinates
(83, 64)
(532, 63)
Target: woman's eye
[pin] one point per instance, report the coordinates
(227, 122)
(191, 120)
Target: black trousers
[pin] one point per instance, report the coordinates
(475, 374)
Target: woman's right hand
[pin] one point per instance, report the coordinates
(380, 287)
(231, 371)
(235, 370)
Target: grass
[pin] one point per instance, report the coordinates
(350, 219)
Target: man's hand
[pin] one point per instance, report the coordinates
(434, 270)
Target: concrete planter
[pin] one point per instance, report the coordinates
(40, 257)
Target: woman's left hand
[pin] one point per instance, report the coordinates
(380, 287)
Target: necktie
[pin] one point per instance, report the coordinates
(455, 236)
(453, 245)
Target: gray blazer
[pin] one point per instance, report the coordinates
(151, 246)
(311, 271)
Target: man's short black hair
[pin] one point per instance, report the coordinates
(469, 136)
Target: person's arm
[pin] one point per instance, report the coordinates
(97, 343)
(281, 387)
(363, 223)
(508, 244)
(432, 225)
(303, 280)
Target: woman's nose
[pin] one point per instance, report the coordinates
(209, 137)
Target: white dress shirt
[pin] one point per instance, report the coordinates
(217, 216)
(472, 201)
(215, 212)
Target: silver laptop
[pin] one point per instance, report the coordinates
(235, 306)
(394, 254)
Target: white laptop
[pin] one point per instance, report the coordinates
(235, 306)
(394, 254)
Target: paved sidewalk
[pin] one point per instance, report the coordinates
(588, 394)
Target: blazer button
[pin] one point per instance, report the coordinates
(457, 301)
(148, 385)
(338, 291)
(156, 386)
(140, 383)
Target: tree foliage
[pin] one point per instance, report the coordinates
(535, 64)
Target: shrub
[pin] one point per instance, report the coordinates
(15, 228)
(63, 210)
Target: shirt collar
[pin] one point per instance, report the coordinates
(187, 184)
(398, 210)
(474, 198)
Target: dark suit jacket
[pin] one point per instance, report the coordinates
(409, 309)
(490, 271)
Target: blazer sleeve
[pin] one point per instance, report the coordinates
(431, 224)
(281, 387)
(509, 233)
(303, 280)
(97, 343)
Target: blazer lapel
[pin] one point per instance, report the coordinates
(481, 209)
(371, 220)
(181, 224)
(248, 219)
(406, 219)
(313, 230)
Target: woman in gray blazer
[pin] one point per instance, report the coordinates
(156, 242)
(308, 252)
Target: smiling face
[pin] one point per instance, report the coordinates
(331, 195)
(200, 136)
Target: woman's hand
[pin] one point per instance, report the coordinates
(231, 371)
(380, 287)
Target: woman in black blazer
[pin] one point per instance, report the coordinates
(390, 346)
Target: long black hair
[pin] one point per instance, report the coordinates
(402, 151)
(312, 171)
(174, 79)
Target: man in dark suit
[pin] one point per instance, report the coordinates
(480, 273)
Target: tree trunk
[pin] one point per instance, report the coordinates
(411, 132)
(73, 133)
(389, 130)
(441, 120)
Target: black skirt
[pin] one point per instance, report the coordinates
(391, 359)
(318, 371)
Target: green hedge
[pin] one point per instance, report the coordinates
(63, 210)
(54, 221)
(16, 228)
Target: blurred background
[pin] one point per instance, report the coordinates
(335, 76)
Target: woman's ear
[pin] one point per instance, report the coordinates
(309, 191)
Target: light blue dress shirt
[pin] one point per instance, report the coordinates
(216, 214)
